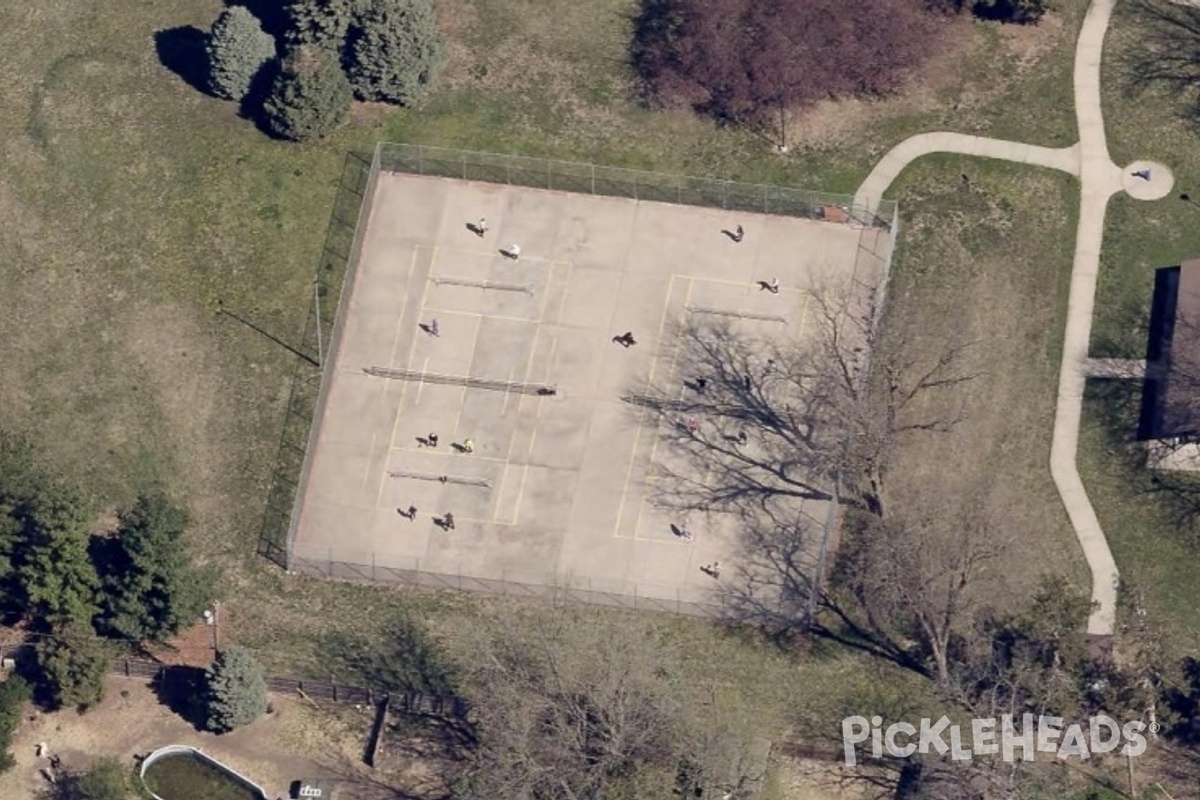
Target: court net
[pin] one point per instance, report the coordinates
(519, 387)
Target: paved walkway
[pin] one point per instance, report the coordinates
(1099, 179)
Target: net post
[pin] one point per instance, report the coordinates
(463, 159)
(593, 166)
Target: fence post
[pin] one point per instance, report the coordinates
(764, 200)
(593, 179)
(508, 169)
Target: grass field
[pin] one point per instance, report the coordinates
(130, 204)
(981, 266)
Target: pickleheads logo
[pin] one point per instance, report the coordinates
(992, 736)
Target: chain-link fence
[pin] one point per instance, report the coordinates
(552, 589)
(572, 176)
(339, 258)
(336, 272)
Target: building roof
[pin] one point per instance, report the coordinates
(1171, 402)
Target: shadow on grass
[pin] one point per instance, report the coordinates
(306, 380)
(272, 14)
(1177, 493)
(181, 689)
(182, 50)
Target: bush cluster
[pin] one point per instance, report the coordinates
(334, 51)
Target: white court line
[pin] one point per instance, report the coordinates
(383, 478)
(539, 402)
(421, 383)
(512, 373)
(383, 390)
(470, 360)
(370, 455)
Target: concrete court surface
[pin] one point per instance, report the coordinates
(556, 491)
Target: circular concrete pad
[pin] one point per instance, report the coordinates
(1154, 187)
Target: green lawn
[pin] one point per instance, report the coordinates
(1150, 523)
(130, 204)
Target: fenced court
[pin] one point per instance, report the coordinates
(553, 494)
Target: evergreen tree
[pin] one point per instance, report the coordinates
(20, 481)
(310, 98)
(236, 690)
(321, 22)
(73, 664)
(150, 589)
(53, 573)
(14, 693)
(394, 50)
(238, 48)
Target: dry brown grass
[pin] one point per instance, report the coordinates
(980, 265)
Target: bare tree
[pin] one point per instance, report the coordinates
(569, 707)
(765, 420)
(919, 580)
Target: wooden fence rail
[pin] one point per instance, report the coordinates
(415, 704)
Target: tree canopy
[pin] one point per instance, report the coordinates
(394, 50)
(236, 691)
(150, 588)
(238, 48)
(73, 664)
(54, 573)
(310, 97)
(745, 60)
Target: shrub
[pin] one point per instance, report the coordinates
(309, 99)
(238, 48)
(236, 691)
(150, 588)
(747, 60)
(106, 779)
(14, 693)
(73, 665)
(394, 50)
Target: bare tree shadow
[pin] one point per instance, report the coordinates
(1168, 55)
(182, 50)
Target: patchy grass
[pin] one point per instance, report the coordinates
(981, 265)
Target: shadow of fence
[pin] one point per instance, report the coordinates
(336, 256)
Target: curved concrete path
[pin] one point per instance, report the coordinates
(1099, 179)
